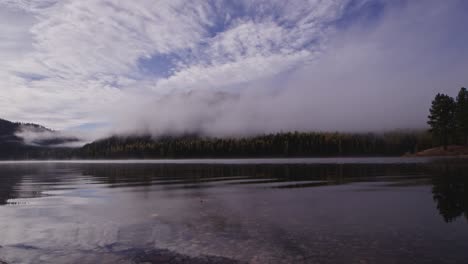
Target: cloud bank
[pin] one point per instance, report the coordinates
(225, 68)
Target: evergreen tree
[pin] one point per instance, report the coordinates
(461, 114)
(442, 118)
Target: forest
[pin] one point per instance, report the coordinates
(291, 144)
(448, 121)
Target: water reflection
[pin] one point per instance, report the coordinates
(449, 178)
(259, 213)
(450, 190)
(203, 173)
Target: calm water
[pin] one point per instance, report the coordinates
(227, 211)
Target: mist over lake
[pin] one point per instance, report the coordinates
(228, 132)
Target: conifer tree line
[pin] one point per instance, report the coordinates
(448, 119)
(291, 144)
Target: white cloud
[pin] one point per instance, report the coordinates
(29, 5)
(72, 62)
(219, 76)
(92, 37)
(70, 59)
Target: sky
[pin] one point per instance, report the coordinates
(222, 67)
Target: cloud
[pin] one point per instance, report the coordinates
(223, 67)
(39, 136)
(374, 78)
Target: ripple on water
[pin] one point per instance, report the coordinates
(330, 212)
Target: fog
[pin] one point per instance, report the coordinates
(221, 69)
(40, 136)
(367, 78)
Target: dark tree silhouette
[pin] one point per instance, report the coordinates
(450, 190)
(442, 118)
(291, 144)
(297, 144)
(461, 114)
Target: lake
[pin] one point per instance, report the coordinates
(345, 210)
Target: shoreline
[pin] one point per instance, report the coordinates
(233, 161)
(455, 151)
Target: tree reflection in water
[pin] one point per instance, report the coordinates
(449, 178)
(450, 189)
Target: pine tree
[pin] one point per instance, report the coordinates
(442, 118)
(461, 114)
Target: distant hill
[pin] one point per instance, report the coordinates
(41, 141)
(32, 141)
(7, 132)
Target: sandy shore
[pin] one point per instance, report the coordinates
(452, 150)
